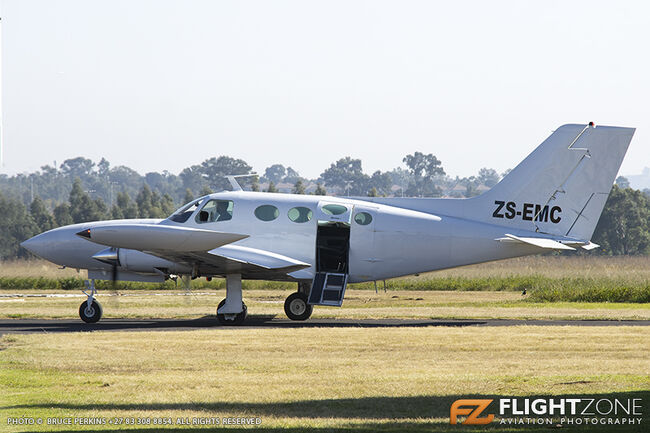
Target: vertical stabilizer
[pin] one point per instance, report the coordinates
(559, 189)
(562, 186)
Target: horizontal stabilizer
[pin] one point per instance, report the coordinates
(589, 246)
(157, 237)
(538, 242)
(259, 258)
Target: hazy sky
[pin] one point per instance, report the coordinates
(161, 85)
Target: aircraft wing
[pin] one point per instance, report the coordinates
(207, 252)
(251, 263)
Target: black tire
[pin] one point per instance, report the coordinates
(91, 315)
(239, 318)
(297, 308)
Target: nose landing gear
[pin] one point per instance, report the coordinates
(90, 310)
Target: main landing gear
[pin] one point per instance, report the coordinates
(90, 310)
(232, 310)
(296, 306)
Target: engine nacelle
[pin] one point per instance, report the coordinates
(137, 261)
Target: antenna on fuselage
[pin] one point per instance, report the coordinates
(233, 180)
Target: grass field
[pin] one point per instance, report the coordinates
(546, 278)
(359, 304)
(633, 269)
(329, 379)
(491, 290)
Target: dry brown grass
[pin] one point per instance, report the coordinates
(628, 267)
(359, 304)
(323, 377)
(35, 269)
(548, 266)
(365, 303)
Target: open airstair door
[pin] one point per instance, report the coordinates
(332, 254)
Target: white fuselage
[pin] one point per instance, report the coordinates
(396, 242)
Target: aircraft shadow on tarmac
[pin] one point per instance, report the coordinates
(254, 321)
(8, 326)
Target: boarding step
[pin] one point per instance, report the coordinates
(328, 289)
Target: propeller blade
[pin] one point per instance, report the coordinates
(113, 276)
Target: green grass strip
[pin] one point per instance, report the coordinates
(540, 288)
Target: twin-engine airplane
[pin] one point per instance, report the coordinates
(552, 200)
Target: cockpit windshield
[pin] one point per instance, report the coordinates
(184, 213)
(215, 210)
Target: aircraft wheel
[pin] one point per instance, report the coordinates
(297, 308)
(92, 314)
(239, 318)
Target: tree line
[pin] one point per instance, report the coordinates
(80, 190)
(421, 176)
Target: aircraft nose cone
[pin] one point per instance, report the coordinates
(37, 245)
(63, 247)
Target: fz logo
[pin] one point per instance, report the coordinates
(527, 212)
(464, 408)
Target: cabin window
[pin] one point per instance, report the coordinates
(334, 209)
(185, 213)
(300, 214)
(363, 218)
(267, 212)
(214, 211)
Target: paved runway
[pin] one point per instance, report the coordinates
(13, 326)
